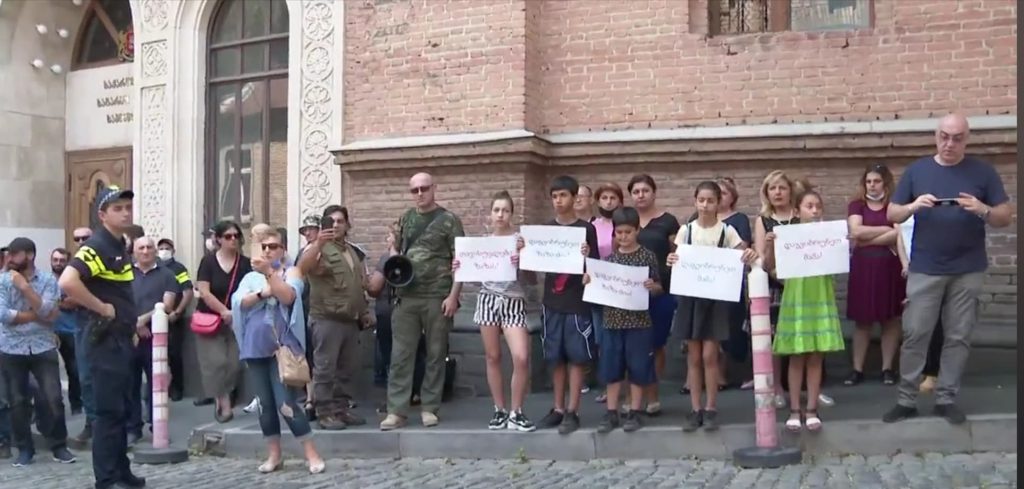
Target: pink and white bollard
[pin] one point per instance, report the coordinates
(161, 452)
(766, 453)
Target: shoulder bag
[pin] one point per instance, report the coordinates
(207, 323)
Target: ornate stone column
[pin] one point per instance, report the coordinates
(315, 123)
(153, 206)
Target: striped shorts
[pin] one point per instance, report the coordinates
(495, 310)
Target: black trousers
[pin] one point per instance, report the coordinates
(112, 364)
(66, 347)
(934, 358)
(141, 410)
(175, 345)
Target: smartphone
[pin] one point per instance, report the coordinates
(946, 202)
(327, 222)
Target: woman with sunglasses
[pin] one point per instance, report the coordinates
(267, 312)
(218, 277)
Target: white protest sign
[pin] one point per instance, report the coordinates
(812, 249)
(708, 273)
(487, 259)
(553, 249)
(907, 230)
(615, 285)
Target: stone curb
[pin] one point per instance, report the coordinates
(981, 433)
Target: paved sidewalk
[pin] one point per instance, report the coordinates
(932, 471)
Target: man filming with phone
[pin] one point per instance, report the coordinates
(952, 197)
(338, 311)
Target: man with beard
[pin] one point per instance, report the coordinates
(338, 310)
(176, 318)
(28, 347)
(99, 278)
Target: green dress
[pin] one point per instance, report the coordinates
(808, 318)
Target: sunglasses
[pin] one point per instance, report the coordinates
(420, 190)
(271, 246)
(229, 236)
(80, 239)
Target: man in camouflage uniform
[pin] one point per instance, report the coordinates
(426, 306)
(338, 310)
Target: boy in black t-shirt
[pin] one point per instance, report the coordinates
(568, 329)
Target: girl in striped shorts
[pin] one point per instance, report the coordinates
(501, 310)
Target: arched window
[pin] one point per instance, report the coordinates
(106, 36)
(247, 127)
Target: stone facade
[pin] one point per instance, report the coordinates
(506, 94)
(32, 120)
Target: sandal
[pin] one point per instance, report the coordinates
(794, 423)
(813, 421)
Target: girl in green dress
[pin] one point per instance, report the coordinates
(808, 327)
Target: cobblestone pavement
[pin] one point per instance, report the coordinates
(932, 471)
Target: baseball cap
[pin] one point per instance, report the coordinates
(310, 222)
(20, 244)
(111, 194)
(165, 241)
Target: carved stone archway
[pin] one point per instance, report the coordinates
(170, 74)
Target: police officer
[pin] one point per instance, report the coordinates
(99, 278)
(176, 318)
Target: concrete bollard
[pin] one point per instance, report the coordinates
(161, 452)
(766, 453)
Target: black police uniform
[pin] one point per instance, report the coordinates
(176, 330)
(106, 269)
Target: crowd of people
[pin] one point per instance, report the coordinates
(290, 324)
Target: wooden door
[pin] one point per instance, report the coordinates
(88, 172)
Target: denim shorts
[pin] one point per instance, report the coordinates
(629, 351)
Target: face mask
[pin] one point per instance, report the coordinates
(607, 214)
(875, 198)
(164, 255)
(211, 245)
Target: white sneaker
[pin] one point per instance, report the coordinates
(253, 407)
(826, 400)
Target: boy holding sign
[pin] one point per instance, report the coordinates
(628, 341)
(568, 327)
(704, 323)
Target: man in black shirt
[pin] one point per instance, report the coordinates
(99, 278)
(568, 324)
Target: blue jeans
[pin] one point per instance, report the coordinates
(275, 398)
(84, 374)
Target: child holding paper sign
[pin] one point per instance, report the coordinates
(628, 342)
(808, 327)
(703, 323)
(501, 310)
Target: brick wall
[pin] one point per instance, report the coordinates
(426, 66)
(423, 67)
(416, 67)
